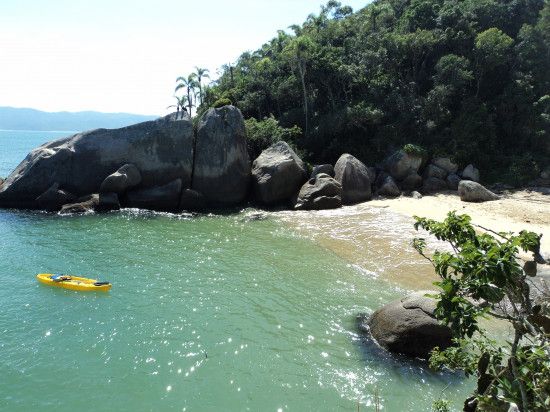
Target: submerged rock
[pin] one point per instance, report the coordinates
(408, 326)
(474, 192)
(320, 192)
(162, 150)
(353, 175)
(222, 167)
(277, 174)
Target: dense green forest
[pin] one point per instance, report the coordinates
(465, 78)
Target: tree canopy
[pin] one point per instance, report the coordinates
(470, 79)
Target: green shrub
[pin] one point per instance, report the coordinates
(415, 150)
(522, 171)
(222, 102)
(263, 133)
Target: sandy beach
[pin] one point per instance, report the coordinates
(515, 211)
(376, 236)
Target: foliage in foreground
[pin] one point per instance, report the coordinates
(481, 277)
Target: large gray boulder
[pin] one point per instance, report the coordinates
(54, 198)
(408, 326)
(162, 150)
(222, 167)
(320, 192)
(470, 172)
(277, 174)
(401, 164)
(446, 164)
(353, 175)
(470, 191)
(126, 177)
(164, 198)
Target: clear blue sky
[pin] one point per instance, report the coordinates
(124, 55)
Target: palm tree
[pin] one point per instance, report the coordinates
(181, 103)
(201, 74)
(190, 84)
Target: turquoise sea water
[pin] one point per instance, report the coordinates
(207, 313)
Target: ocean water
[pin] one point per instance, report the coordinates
(207, 313)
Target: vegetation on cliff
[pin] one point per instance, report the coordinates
(467, 78)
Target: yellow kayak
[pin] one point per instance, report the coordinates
(73, 282)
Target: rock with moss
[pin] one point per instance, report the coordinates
(402, 163)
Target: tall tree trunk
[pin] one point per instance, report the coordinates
(302, 70)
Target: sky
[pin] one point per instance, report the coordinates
(124, 55)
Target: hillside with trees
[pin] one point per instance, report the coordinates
(469, 79)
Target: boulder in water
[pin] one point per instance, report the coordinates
(85, 204)
(408, 326)
(277, 174)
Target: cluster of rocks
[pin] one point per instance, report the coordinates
(164, 165)
(158, 165)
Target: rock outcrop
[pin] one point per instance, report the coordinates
(320, 192)
(401, 164)
(222, 167)
(408, 326)
(162, 150)
(353, 175)
(470, 191)
(277, 174)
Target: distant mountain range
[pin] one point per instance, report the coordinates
(12, 118)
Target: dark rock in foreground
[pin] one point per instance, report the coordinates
(408, 326)
(162, 150)
(353, 175)
(320, 192)
(222, 167)
(277, 174)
